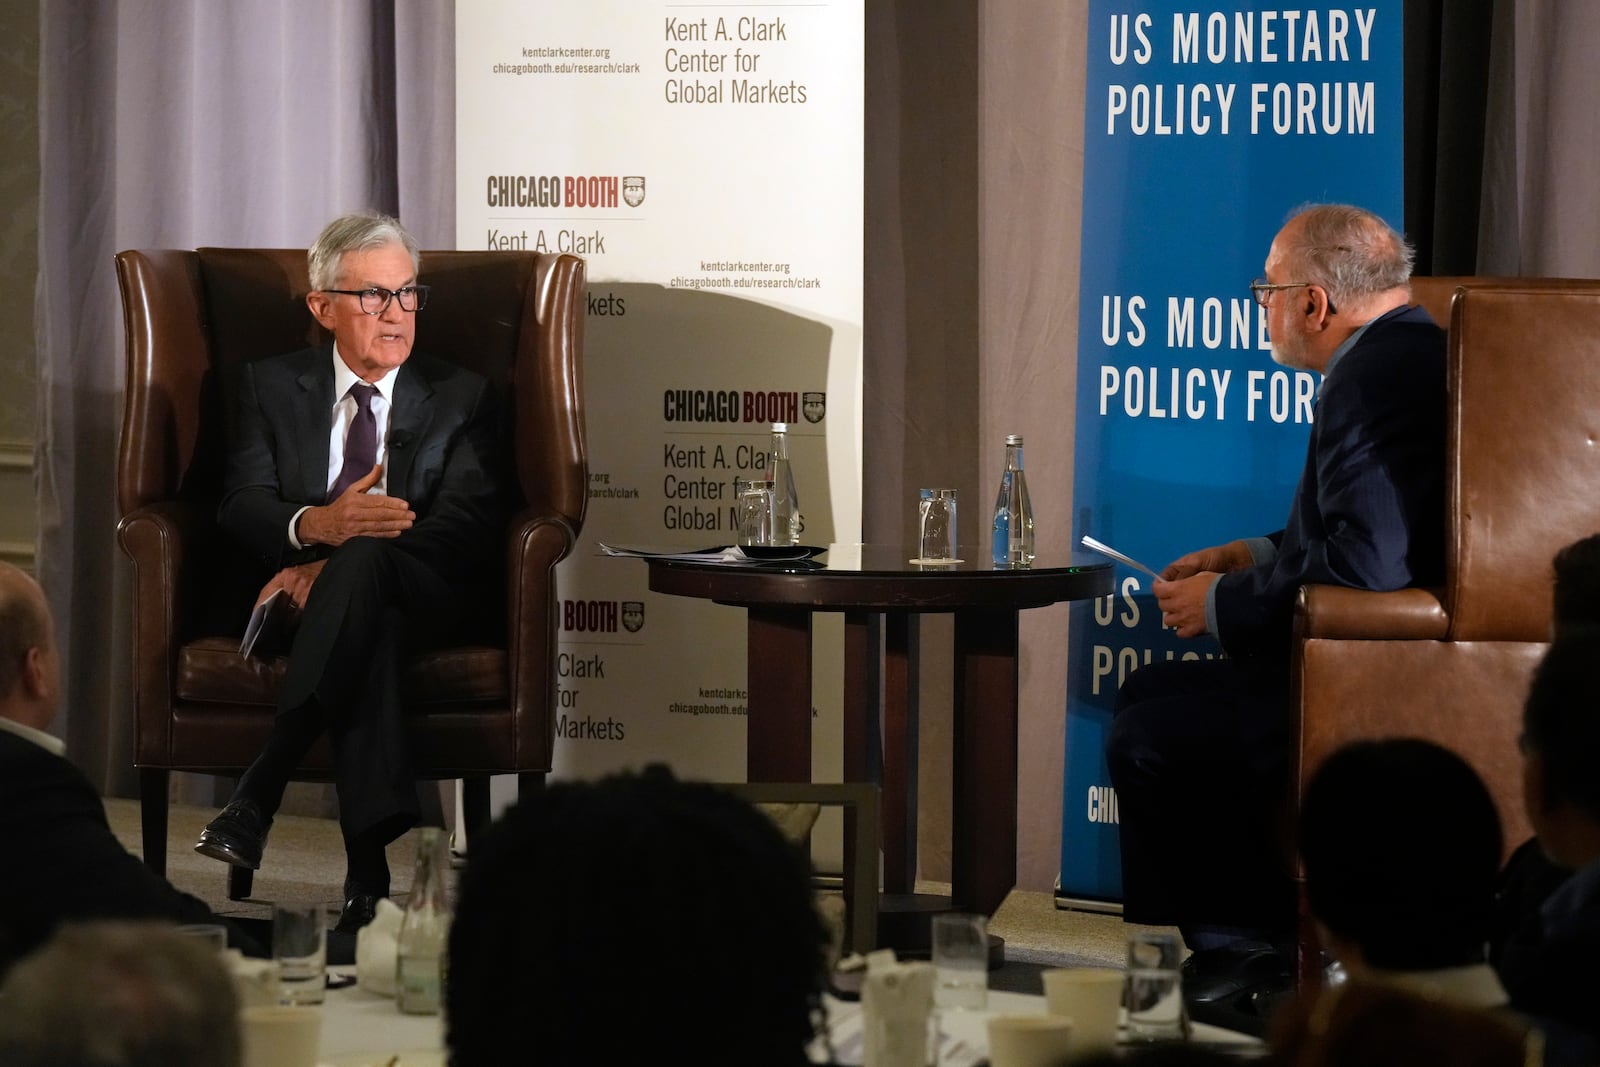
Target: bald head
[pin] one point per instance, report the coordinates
(27, 651)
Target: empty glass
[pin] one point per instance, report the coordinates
(936, 526)
(961, 961)
(752, 510)
(299, 944)
(1155, 988)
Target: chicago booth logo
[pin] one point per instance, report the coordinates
(813, 406)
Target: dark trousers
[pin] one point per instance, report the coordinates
(372, 605)
(1199, 756)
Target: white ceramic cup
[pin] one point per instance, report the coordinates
(1029, 1040)
(1092, 998)
(281, 1036)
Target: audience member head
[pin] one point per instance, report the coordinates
(1560, 737)
(1369, 1024)
(1401, 847)
(120, 994)
(599, 921)
(29, 671)
(1577, 584)
(1339, 266)
(358, 232)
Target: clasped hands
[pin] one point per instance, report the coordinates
(1181, 591)
(354, 513)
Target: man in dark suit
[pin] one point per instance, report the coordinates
(369, 479)
(1198, 751)
(63, 862)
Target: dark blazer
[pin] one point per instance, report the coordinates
(444, 458)
(62, 861)
(1368, 512)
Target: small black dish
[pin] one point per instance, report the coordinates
(791, 552)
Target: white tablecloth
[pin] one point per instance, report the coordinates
(362, 1029)
(964, 1035)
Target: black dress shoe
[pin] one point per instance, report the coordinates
(236, 835)
(1219, 975)
(358, 911)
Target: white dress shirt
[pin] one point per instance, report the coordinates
(343, 414)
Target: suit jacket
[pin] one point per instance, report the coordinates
(1368, 512)
(62, 860)
(444, 458)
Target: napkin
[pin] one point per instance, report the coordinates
(377, 947)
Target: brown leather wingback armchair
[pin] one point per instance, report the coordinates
(192, 318)
(1523, 480)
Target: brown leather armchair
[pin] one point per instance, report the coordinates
(192, 318)
(1523, 480)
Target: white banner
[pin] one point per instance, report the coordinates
(706, 160)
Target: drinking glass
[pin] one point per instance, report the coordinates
(213, 935)
(961, 961)
(936, 525)
(299, 944)
(1155, 988)
(753, 511)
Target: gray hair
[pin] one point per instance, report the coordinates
(120, 994)
(1349, 251)
(355, 233)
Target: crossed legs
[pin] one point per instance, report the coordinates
(372, 603)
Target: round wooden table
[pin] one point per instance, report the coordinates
(879, 590)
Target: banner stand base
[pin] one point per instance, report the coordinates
(1071, 903)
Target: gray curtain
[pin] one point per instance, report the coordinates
(1541, 202)
(175, 124)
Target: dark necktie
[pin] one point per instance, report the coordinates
(360, 444)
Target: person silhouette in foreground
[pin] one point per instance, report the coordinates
(1548, 964)
(600, 922)
(120, 994)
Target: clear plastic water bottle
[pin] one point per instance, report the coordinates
(425, 931)
(785, 501)
(1013, 512)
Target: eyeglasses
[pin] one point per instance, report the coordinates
(375, 300)
(1262, 289)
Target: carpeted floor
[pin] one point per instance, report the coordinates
(305, 862)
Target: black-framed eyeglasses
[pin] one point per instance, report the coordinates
(1262, 290)
(375, 299)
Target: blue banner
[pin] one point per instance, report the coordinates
(1206, 126)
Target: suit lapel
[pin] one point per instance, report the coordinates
(408, 421)
(312, 414)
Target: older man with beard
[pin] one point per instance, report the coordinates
(1199, 750)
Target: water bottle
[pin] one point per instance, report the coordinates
(1013, 512)
(420, 949)
(785, 501)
